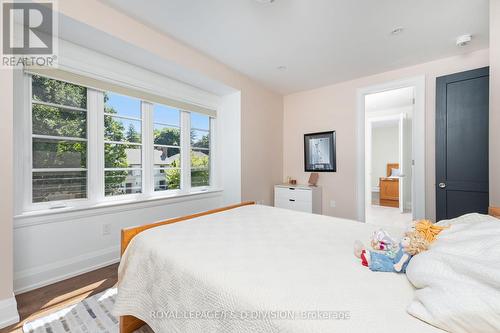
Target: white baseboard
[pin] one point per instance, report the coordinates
(41, 276)
(8, 312)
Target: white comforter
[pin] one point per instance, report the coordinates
(259, 258)
(459, 277)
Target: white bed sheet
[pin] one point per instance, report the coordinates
(259, 258)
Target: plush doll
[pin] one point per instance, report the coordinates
(427, 229)
(412, 244)
(382, 241)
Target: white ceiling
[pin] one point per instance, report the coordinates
(319, 41)
(388, 100)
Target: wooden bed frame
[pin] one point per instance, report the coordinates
(129, 324)
(495, 211)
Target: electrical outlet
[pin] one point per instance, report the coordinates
(106, 229)
(333, 204)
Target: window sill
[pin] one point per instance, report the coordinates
(45, 216)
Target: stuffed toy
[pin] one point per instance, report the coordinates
(412, 244)
(427, 229)
(382, 241)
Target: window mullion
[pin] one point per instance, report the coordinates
(95, 147)
(213, 151)
(147, 148)
(185, 152)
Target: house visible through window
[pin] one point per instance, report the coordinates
(200, 150)
(59, 140)
(167, 148)
(122, 145)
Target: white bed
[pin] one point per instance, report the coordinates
(259, 258)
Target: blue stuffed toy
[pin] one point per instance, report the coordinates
(382, 262)
(395, 260)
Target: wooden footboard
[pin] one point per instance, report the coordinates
(129, 324)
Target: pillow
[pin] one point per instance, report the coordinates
(458, 278)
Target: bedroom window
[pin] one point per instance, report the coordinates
(200, 150)
(122, 145)
(59, 140)
(88, 146)
(167, 148)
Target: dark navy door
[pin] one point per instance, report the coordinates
(462, 112)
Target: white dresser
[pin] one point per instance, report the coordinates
(298, 197)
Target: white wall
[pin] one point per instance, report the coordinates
(407, 160)
(51, 248)
(385, 149)
(228, 152)
(6, 168)
(8, 309)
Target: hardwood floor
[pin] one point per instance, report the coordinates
(40, 302)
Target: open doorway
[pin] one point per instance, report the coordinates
(389, 156)
(418, 183)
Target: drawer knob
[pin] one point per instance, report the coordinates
(291, 199)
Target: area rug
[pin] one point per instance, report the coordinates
(92, 315)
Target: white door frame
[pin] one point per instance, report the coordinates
(402, 167)
(418, 145)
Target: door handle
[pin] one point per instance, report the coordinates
(291, 200)
(442, 185)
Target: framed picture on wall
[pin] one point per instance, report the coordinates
(319, 152)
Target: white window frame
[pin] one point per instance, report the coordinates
(29, 170)
(150, 149)
(211, 127)
(141, 145)
(95, 157)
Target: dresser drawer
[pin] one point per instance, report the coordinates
(296, 194)
(300, 206)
